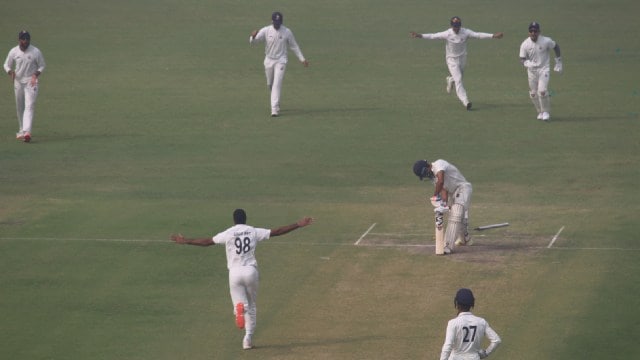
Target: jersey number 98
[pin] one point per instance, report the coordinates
(243, 246)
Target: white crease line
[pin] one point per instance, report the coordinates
(398, 245)
(555, 238)
(365, 233)
(323, 244)
(87, 239)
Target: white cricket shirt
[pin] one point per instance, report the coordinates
(240, 242)
(277, 42)
(464, 337)
(456, 43)
(538, 53)
(26, 63)
(453, 178)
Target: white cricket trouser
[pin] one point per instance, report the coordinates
(456, 69)
(275, 75)
(539, 88)
(243, 285)
(26, 96)
(462, 195)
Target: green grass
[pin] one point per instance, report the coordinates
(153, 119)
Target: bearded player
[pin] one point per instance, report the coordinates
(452, 191)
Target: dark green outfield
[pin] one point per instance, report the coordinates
(153, 118)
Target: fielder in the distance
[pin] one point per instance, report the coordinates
(240, 241)
(466, 332)
(534, 55)
(278, 39)
(456, 53)
(452, 192)
(24, 65)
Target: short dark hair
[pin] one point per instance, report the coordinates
(239, 216)
(24, 35)
(464, 299)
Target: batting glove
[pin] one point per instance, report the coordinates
(441, 209)
(558, 67)
(436, 201)
(483, 354)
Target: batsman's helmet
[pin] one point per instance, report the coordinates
(464, 297)
(420, 168)
(277, 17)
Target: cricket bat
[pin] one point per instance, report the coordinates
(439, 226)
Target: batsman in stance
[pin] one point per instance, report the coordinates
(456, 53)
(240, 242)
(278, 39)
(24, 65)
(534, 55)
(452, 192)
(466, 332)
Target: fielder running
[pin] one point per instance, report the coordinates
(456, 53)
(452, 192)
(278, 39)
(24, 64)
(534, 55)
(466, 332)
(240, 241)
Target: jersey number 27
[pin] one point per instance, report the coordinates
(471, 330)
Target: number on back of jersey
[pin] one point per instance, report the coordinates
(243, 246)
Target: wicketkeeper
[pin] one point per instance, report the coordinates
(453, 193)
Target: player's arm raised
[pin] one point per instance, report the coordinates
(288, 228)
(180, 239)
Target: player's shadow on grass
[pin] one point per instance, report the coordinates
(561, 118)
(55, 138)
(321, 342)
(296, 111)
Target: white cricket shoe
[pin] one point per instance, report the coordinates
(464, 242)
(539, 116)
(20, 136)
(246, 342)
(450, 83)
(546, 116)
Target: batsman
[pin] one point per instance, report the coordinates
(452, 195)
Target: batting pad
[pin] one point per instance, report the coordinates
(454, 225)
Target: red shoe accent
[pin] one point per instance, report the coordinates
(240, 315)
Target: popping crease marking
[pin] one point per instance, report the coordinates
(365, 233)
